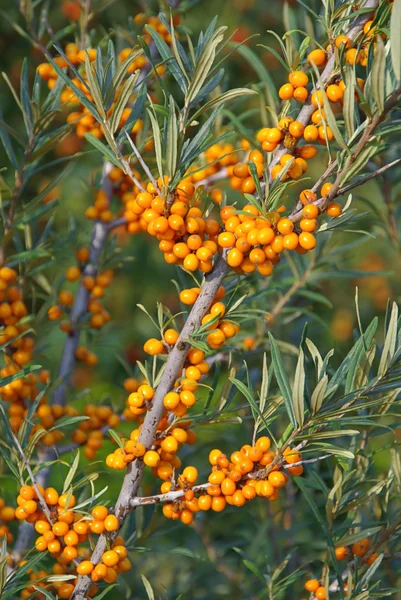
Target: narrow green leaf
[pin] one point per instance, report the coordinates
(105, 150)
(172, 140)
(349, 101)
(378, 72)
(318, 394)
(157, 142)
(148, 588)
(122, 101)
(71, 473)
(282, 378)
(390, 341)
(204, 65)
(298, 390)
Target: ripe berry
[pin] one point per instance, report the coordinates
(111, 523)
(300, 94)
(110, 558)
(286, 91)
(307, 241)
(318, 57)
(277, 479)
(334, 93)
(334, 209)
(298, 79)
(310, 133)
(85, 567)
(320, 593)
(296, 129)
(360, 548)
(312, 585)
(341, 552)
(151, 458)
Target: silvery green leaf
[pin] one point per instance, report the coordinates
(298, 390)
(349, 101)
(282, 378)
(94, 86)
(389, 342)
(122, 101)
(204, 65)
(318, 394)
(157, 142)
(172, 140)
(377, 81)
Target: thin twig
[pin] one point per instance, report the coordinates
(308, 108)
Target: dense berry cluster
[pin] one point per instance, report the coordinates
(67, 534)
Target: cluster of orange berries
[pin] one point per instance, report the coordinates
(90, 432)
(7, 514)
(173, 221)
(230, 481)
(255, 241)
(13, 311)
(77, 58)
(82, 119)
(66, 530)
(96, 286)
(163, 458)
(358, 549)
(154, 22)
(47, 419)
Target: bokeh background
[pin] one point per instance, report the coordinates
(234, 554)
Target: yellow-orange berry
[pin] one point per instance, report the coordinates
(318, 57)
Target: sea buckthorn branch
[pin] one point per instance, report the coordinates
(100, 232)
(171, 496)
(307, 110)
(371, 553)
(174, 365)
(42, 502)
(336, 189)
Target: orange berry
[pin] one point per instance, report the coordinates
(341, 552)
(318, 57)
(100, 512)
(277, 479)
(325, 190)
(311, 133)
(298, 79)
(300, 94)
(342, 39)
(153, 347)
(296, 129)
(334, 93)
(334, 209)
(286, 91)
(110, 558)
(372, 558)
(111, 523)
(320, 593)
(307, 240)
(360, 548)
(85, 567)
(151, 458)
(312, 585)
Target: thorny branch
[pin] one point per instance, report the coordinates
(173, 368)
